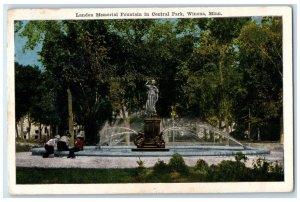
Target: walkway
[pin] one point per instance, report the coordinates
(25, 159)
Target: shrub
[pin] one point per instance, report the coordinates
(227, 171)
(23, 148)
(277, 172)
(265, 170)
(177, 164)
(141, 164)
(240, 156)
(260, 165)
(276, 168)
(201, 165)
(160, 167)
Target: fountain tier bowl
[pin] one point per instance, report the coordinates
(191, 150)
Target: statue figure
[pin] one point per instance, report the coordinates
(152, 98)
(152, 138)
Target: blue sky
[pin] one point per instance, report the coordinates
(30, 57)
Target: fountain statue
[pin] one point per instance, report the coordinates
(151, 139)
(152, 98)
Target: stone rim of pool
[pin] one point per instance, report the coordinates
(184, 150)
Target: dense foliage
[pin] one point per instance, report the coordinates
(224, 70)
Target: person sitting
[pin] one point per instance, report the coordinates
(50, 146)
(79, 143)
(63, 142)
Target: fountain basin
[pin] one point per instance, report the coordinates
(184, 150)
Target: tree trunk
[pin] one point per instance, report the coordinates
(22, 127)
(126, 125)
(40, 131)
(17, 132)
(71, 122)
(227, 130)
(29, 127)
(281, 130)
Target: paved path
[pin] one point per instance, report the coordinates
(25, 159)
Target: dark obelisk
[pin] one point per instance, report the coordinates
(151, 139)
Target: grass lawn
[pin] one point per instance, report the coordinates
(73, 175)
(175, 171)
(81, 176)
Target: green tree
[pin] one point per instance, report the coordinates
(27, 80)
(211, 77)
(85, 71)
(260, 56)
(215, 69)
(130, 56)
(34, 98)
(35, 32)
(43, 109)
(75, 53)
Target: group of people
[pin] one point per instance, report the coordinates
(62, 144)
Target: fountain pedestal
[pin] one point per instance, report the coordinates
(151, 139)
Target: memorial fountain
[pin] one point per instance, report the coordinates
(164, 137)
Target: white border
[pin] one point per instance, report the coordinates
(247, 187)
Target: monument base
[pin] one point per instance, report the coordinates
(151, 139)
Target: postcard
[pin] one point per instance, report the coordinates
(150, 100)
